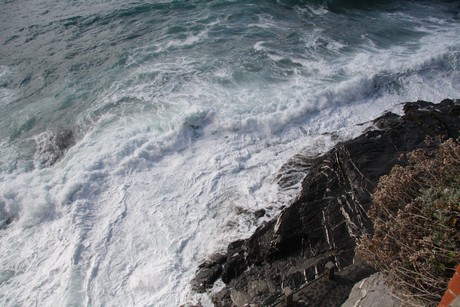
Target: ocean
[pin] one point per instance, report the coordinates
(139, 137)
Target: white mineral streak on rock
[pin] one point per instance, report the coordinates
(352, 228)
(278, 222)
(326, 230)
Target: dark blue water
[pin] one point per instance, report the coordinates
(130, 131)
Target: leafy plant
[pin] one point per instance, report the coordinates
(416, 215)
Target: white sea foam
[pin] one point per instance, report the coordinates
(125, 217)
(176, 160)
(5, 75)
(136, 211)
(7, 93)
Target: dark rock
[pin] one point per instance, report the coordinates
(293, 171)
(215, 259)
(259, 213)
(5, 223)
(330, 214)
(387, 120)
(52, 147)
(208, 272)
(65, 139)
(240, 210)
(235, 247)
(234, 266)
(205, 278)
(326, 292)
(222, 298)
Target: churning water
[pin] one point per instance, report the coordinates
(138, 137)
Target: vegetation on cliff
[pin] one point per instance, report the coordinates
(416, 215)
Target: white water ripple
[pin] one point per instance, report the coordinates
(182, 129)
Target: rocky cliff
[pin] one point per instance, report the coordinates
(329, 216)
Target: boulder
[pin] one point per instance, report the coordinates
(52, 146)
(371, 291)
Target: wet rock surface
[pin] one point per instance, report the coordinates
(53, 146)
(324, 223)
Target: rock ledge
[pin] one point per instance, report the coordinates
(329, 216)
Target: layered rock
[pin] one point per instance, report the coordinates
(329, 216)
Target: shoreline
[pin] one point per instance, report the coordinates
(326, 221)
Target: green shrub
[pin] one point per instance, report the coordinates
(416, 215)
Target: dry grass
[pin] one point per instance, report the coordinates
(416, 214)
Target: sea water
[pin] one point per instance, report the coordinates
(178, 117)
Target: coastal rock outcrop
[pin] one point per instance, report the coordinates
(52, 146)
(330, 214)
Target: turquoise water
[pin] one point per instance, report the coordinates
(179, 115)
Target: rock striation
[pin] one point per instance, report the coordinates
(330, 214)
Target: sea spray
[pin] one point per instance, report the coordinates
(182, 116)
